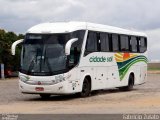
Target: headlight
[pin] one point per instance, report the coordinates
(58, 78)
(23, 78)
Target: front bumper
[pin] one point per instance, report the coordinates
(59, 88)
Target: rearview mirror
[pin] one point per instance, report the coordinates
(68, 45)
(13, 48)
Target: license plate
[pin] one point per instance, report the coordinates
(39, 89)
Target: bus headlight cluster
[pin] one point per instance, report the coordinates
(58, 79)
(23, 78)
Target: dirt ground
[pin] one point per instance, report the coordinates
(143, 99)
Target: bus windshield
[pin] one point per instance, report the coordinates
(44, 54)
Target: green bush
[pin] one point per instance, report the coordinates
(6, 40)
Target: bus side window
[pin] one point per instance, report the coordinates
(142, 44)
(124, 42)
(104, 38)
(91, 44)
(115, 43)
(133, 44)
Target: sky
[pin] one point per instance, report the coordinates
(139, 15)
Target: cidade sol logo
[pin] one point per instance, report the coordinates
(101, 59)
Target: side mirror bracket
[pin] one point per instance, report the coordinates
(69, 44)
(13, 48)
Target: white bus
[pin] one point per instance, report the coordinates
(79, 57)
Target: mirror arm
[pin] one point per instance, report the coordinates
(13, 48)
(68, 45)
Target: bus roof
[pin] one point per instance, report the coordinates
(65, 27)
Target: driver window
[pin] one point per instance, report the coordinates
(76, 48)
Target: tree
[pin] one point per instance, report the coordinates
(6, 40)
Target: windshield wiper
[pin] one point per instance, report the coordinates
(31, 65)
(49, 66)
(45, 59)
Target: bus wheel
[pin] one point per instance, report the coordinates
(45, 96)
(130, 84)
(86, 89)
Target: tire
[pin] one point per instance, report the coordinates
(86, 89)
(45, 96)
(130, 84)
